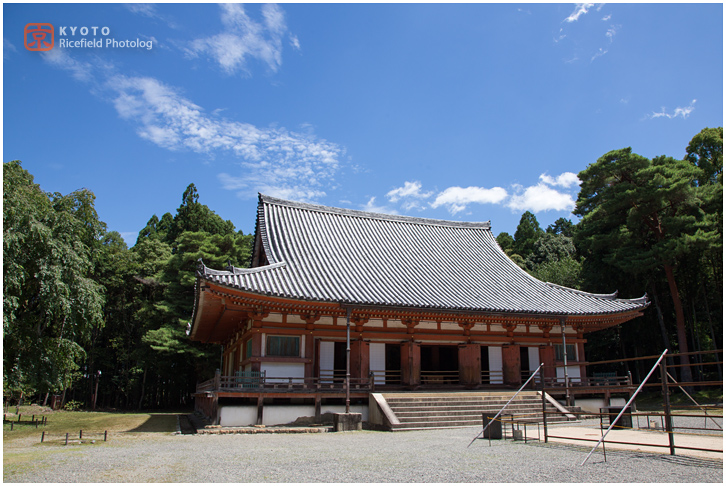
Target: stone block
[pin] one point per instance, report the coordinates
(347, 421)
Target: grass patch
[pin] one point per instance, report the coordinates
(92, 423)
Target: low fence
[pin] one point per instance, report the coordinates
(65, 439)
(36, 421)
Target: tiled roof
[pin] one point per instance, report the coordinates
(327, 254)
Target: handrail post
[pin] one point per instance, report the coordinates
(613, 422)
(217, 380)
(506, 404)
(544, 407)
(667, 406)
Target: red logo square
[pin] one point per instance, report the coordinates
(39, 37)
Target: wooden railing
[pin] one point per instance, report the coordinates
(592, 381)
(492, 377)
(439, 377)
(387, 377)
(281, 383)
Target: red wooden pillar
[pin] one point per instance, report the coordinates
(359, 359)
(256, 351)
(470, 364)
(511, 365)
(581, 358)
(410, 363)
(547, 356)
(309, 355)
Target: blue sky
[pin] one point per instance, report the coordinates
(468, 112)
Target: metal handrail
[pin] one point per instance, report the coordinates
(506, 404)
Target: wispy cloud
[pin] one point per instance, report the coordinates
(8, 47)
(273, 160)
(82, 71)
(150, 11)
(244, 38)
(606, 18)
(580, 9)
(599, 53)
(456, 199)
(683, 112)
(611, 32)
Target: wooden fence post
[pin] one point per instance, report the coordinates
(66, 438)
(42, 437)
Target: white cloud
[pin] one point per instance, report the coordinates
(457, 198)
(566, 179)
(371, 207)
(540, 198)
(244, 38)
(409, 190)
(683, 112)
(606, 18)
(410, 194)
(580, 9)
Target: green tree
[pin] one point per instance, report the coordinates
(528, 232)
(640, 214)
(705, 151)
(505, 242)
(51, 302)
(562, 226)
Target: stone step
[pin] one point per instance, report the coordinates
(464, 410)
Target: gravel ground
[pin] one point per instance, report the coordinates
(361, 457)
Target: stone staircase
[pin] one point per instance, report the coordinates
(414, 411)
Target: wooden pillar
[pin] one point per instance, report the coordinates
(547, 356)
(359, 359)
(581, 358)
(256, 351)
(260, 401)
(309, 355)
(411, 363)
(511, 365)
(470, 364)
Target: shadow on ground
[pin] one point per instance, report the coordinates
(162, 422)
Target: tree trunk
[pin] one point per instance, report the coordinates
(661, 321)
(143, 386)
(680, 325)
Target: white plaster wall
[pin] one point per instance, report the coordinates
(378, 361)
(283, 371)
(534, 361)
(284, 414)
(237, 415)
(573, 373)
(495, 363)
(242, 415)
(591, 405)
(327, 350)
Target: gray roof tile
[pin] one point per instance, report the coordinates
(328, 254)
